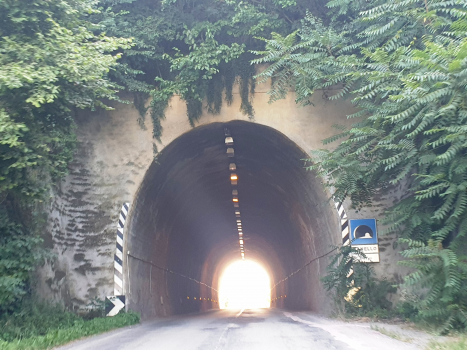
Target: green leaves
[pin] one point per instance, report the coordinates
(51, 62)
(187, 48)
(353, 286)
(19, 254)
(404, 65)
(305, 60)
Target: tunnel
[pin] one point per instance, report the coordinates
(182, 230)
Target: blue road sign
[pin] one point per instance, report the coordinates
(363, 231)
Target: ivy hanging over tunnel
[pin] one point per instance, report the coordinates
(197, 50)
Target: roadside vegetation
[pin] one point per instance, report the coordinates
(42, 326)
(402, 63)
(354, 288)
(404, 66)
(455, 344)
(52, 62)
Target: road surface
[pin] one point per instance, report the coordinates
(250, 330)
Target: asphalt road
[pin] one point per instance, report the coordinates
(248, 330)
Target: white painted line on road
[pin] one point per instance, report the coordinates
(330, 329)
(223, 338)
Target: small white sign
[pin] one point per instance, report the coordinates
(371, 251)
(368, 248)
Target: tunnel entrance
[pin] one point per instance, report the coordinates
(183, 231)
(244, 284)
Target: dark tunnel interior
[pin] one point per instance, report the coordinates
(183, 220)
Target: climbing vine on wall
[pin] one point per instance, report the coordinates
(51, 63)
(195, 49)
(404, 65)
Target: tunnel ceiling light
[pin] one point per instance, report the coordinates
(233, 180)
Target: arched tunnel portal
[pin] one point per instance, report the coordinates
(183, 220)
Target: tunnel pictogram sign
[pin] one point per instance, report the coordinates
(363, 231)
(363, 235)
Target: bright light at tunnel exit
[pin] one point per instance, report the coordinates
(244, 285)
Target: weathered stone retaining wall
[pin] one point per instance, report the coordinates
(112, 158)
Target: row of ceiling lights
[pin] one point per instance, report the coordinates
(234, 181)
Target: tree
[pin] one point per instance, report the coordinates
(51, 63)
(404, 63)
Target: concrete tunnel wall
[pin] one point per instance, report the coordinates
(113, 155)
(183, 220)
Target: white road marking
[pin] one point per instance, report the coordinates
(328, 328)
(223, 338)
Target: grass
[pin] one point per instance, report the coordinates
(42, 326)
(392, 334)
(457, 344)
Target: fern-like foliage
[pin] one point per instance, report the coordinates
(404, 64)
(353, 285)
